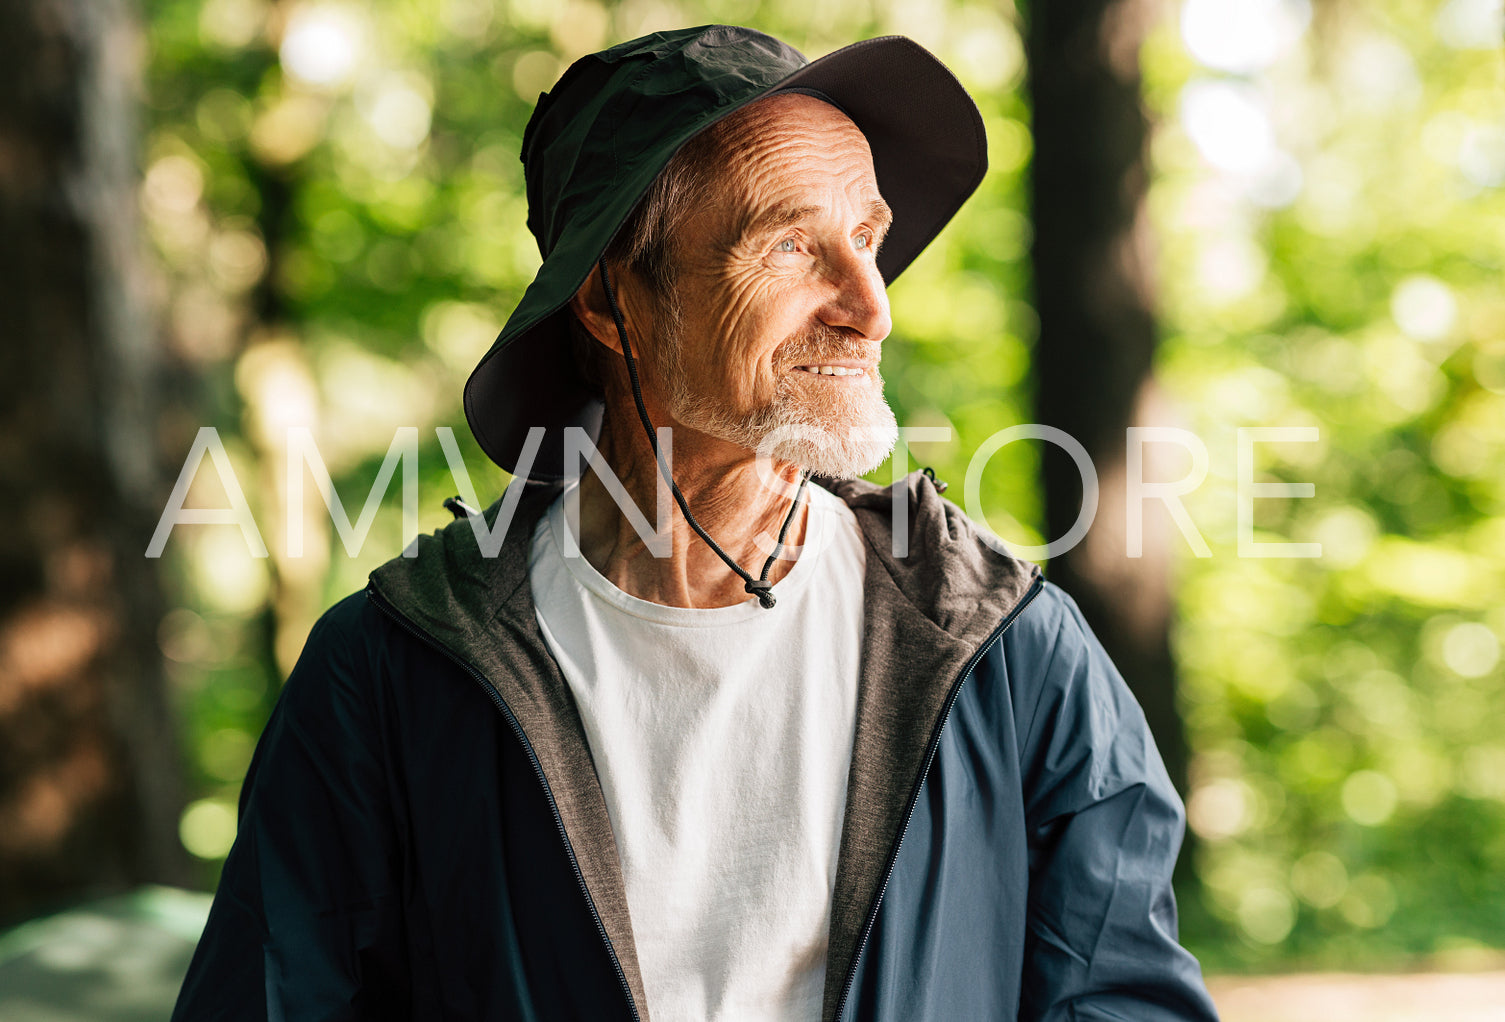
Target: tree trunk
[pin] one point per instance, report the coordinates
(1093, 360)
(90, 784)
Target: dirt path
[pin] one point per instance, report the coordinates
(1342, 997)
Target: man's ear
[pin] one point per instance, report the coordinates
(590, 307)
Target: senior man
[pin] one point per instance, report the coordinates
(561, 764)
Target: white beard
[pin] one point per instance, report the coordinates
(850, 439)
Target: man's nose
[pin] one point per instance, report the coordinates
(860, 299)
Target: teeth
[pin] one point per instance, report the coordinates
(833, 370)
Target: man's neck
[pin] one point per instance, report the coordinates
(720, 483)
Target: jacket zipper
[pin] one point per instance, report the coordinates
(496, 697)
(914, 799)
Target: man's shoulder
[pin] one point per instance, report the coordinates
(1066, 688)
(348, 640)
(356, 639)
(349, 624)
(1050, 624)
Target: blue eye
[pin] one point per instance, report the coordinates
(787, 245)
(864, 241)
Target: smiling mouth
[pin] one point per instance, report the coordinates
(832, 370)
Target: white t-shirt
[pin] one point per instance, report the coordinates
(722, 738)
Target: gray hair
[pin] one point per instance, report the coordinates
(646, 243)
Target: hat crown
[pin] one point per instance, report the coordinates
(612, 112)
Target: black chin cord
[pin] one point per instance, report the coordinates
(760, 586)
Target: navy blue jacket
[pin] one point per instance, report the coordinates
(422, 835)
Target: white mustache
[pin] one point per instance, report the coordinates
(823, 346)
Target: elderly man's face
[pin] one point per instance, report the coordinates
(784, 309)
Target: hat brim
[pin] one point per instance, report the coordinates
(929, 155)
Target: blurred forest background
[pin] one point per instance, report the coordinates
(1209, 214)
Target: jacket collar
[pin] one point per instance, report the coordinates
(925, 615)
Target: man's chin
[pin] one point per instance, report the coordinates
(831, 442)
(837, 451)
(839, 462)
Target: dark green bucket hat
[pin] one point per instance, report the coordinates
(596, 142)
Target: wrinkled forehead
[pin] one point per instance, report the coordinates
(797, 125)
(785, 144)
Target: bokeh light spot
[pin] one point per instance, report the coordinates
(1319, 878)
(1242, 35)
(207, 828)
(1470, 649)
(1266, 914)
(1369, 797)
(398, 110)
(1424, 308)
(1481, 156)
(1471, 24)
(533, 73)
(232, 24)
(1228, 124)
(1220, 810)
(321, 46)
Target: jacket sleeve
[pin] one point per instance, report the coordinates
(306, 921)
(1105, 826)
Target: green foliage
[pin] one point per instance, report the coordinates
(1348, 773)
